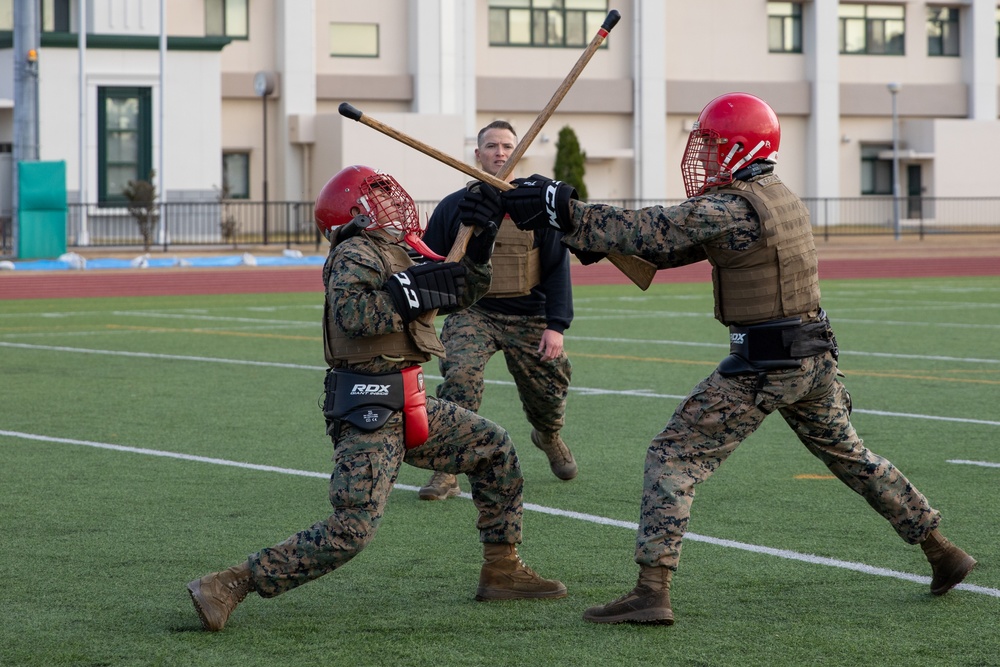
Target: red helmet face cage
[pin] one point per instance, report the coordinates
(732, 131)
(360, 190)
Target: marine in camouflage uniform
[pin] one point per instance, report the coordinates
(524, 316)
(783, 355)
(370, 334)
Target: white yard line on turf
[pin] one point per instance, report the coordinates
(579, 516)
(981, 464)
(585, 391)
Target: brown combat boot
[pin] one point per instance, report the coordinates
(648, 602)
(949, 564)
(216, 595)
(440, 487)
(505, 577)
(560, 458)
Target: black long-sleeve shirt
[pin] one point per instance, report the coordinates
(552, 298)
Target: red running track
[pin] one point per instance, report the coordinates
(243, 280)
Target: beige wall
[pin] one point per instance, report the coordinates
(257, 52)
(392, 18)
(186, 17)
(960, 142)
(342, 142)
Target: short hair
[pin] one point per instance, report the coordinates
(495, 125)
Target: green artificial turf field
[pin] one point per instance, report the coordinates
(147, 442)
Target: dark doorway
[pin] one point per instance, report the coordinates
(914, 192)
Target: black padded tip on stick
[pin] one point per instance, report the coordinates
(612, 19)
(347, 111)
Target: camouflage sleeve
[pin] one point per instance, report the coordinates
(359, 305)
(477, 281)
(667, 236)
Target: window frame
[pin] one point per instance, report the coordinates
(547, 23)
(876, 170)
(872, 26)
(227, 191)
(949, 32)
(345, 54)
(790, 26)
(144, 139)
(225, 6)
(56, 16)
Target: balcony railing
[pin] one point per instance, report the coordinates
(236, 223)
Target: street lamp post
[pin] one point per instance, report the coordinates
(263, 85)
(894, 90)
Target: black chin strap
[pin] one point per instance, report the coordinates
(752, 170)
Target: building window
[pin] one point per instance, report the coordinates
(226, 18)
(876, 173)
(236, 175)
(942, 31)
(55, 16)
(872, 29)
(354, 40)
(784, 27)
(546, 22)
(125, 140)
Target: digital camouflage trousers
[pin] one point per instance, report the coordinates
(721, 412)
(472, 336)
(365, 468)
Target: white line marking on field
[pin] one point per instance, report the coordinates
(983, 464)
(211, 318)
(909, 415)
(155, 355)
(292, 324)
(160, 452)
(844, 353)
(579, 516)
(583, 391)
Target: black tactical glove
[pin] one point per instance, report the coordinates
(480, 207)
(424, 287)
(480, 247)
(539, 202)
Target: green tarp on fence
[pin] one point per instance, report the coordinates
(41, 209)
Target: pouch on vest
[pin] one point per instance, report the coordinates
(516, 263)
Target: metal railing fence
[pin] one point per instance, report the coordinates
(231, 223)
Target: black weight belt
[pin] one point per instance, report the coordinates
(776, 345)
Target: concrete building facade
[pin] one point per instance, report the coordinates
(438, 70)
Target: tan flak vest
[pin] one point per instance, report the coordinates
(778, 276)
(416, 344)
(516, 267)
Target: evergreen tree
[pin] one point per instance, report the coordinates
(569, 167)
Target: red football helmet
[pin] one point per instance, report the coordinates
(350, 193)
(360, 190)
(732, 131)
